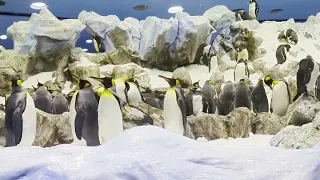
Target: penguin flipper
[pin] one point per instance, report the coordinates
(182, 105)
(78, 123)
(18, 121)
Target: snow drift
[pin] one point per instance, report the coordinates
(149, 152)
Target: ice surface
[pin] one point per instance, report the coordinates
(149, 152)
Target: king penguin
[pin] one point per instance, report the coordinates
(259, 98)
(122, 87)
(42, 98)
(242, 95)
(253, 9)
(59, 103)
(241, 70)
(134, 95)
(281, 98)
(174, 108)
(21, 117)
(109, 112)
(208, 92)
(84, 116)
(307, 76)
(225, 102)
(281, 53)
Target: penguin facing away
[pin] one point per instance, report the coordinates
(42, 98)
(20, 116)
(259, 98)
(174, 108)
(208, 92)
(242, 95)
(241, 15)
(241, 70)
(306, 77)
(281, 52)
(225, 102)
(253, 9)
(109, 112)
(281, 98)
(84, 116)
(59, 104)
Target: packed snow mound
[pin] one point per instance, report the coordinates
(149, 152)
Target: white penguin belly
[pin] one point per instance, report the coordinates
(197, 104)
(213, 64)
(240, 72)
(29, 118)
(314, 75)
(134, 94)
(72, 119)
(243, 55)
(173, 120)
(120, 88)
(280, 99)
(109, 117)
(252, 10)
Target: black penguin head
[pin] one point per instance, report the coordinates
(15, 81)
(306, 65)
(288, 47)
(195, 86)
(251, 1)
(106, 81)
(268, 81)
(172, 82)
(84, 84)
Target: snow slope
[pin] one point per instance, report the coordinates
(149, 152)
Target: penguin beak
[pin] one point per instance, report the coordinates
(165, 78)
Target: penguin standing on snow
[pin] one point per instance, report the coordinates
(21, 117)
(289, 36)
(241, 70)
(84, 115)
(253, 9)
(225, 102)
(281, 52)
(259, 98)
(307, 76)
(241, 15)
(242, 95)
(174, 108)
(109, 111)
(209, 94)
(42, 98)
(281, 98)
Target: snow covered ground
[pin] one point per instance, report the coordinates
(150, 152)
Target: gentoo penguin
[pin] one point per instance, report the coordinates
(84, 116)
(208, 92)
(59, 103)
(21, 117)
(193, 100)
(122, 87)
(307, 76)
(241, 15)
(225, 102)
(253, 9)
(241, 70)
(213, 64)
(289, 36)
(281, 52)
(242, 53)
(134, 94)
(174, 108)
(109, 112)
(42, 98)
(281, 98)
(242, 96)
(259, 98)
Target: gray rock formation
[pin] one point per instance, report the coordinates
(211, 126)
(183, 76)
(297, 137)
(268, 123)
(46, 39)
(302, 111)
(218, 15)
(83, 68)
